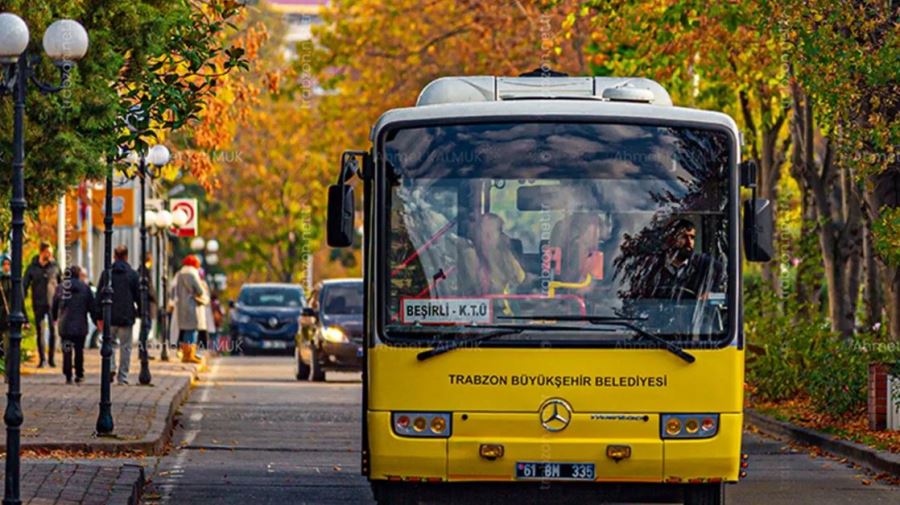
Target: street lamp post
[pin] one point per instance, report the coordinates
(163, 221)
(65, 42)
(158, 156)
(179, 219)
(105, 423)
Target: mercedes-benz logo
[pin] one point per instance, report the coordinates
(555, 414)
(273, 322)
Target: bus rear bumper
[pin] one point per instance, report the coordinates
(653, 461)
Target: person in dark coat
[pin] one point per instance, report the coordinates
(125, 308)
(42, 276)
(73, 303)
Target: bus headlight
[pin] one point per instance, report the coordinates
(334, 334)
(689, 425)
(421, 424)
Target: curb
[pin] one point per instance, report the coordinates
(137, 488)
(159, 433)
(881, 461)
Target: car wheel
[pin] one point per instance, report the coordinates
(394, 494)
(302, 368)
(316, 374)
(705, 494)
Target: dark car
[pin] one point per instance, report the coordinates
(332, 333)
(266, 317)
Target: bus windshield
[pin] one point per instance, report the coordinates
(515, 223)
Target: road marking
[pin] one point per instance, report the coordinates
(177, 470)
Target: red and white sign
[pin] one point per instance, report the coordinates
(189, 207)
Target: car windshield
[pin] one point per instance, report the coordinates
(271, 297)
(512, 223)
(340, 299)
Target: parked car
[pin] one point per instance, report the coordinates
(266, 317)
(332, 330)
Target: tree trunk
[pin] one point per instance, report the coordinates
(872, 289)
(769, 157)
(769, 175)
(840, 213)
(891, 278)
(808, 285)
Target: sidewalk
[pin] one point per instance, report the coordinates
(862, 455)
(63, 417)
(84, 483)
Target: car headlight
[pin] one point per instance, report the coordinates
(242, 318)
(334, 334)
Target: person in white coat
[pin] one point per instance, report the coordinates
(190, 307)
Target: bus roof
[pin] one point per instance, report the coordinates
(543, 109)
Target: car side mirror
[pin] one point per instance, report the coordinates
(340, 215)
(759, 222)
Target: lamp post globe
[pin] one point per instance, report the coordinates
(164, 219)
(150, 218)
(197, 244)
(212, 246)
(179, 218)
(65, 40)
(158, 155)
(13, 37)
(212, 259)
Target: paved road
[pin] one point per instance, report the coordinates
(252, 435)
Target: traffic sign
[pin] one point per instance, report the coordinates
(189, 207)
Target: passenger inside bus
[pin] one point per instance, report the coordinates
(491, 266)
(577, 239)
(679, 272)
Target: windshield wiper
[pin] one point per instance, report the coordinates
(456, 344)
(501, 330)
(625, 322)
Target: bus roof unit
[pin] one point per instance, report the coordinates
(491, 89)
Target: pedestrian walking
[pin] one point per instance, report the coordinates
(42, 276)
(93, 329)
(73, 305)
(125, 308)
(190, 301)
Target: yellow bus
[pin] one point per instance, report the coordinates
(553, 293)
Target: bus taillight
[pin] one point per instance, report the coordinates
(689, 425)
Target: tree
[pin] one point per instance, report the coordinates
(843, 57)
(272, 204)
(375, 56)
(165, 57)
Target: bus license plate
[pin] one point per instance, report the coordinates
(555, 471)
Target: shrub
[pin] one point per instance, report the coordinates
(837, 378)
(781, 345)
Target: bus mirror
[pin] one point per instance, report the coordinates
(758, 230)
(340, 215)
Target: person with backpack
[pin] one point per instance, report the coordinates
(125, 309)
